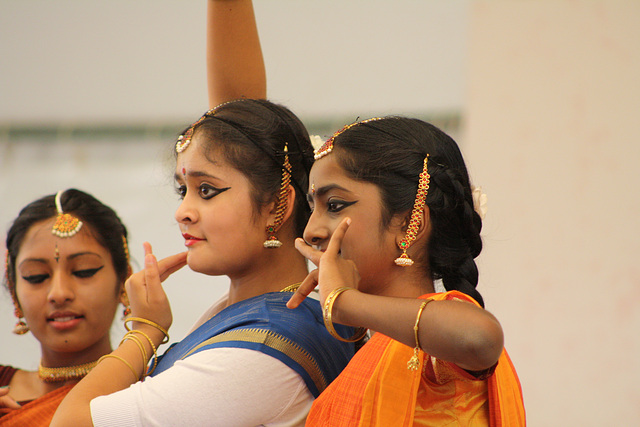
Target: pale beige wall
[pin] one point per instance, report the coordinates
(553, 137)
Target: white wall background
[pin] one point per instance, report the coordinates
(552, 135)
(547, 89)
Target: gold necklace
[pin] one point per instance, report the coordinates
(291, 288)
(65, 373)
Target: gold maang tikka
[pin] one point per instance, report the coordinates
(414, 223)
(272, 241)
(66, 225)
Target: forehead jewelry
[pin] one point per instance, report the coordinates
(313, 189)
(57, 256)
(66, 224)
(327, 147)
(412, 230)
(272, 241)
(185, 139)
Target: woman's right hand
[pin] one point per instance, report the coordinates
(144, 288)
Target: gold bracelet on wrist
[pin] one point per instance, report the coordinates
(145, 359)
(414, 362)
(148, 322)
(153, 347)
(115, 356)
(328, 307)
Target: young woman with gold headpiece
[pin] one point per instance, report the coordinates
(67, 261)
(241, 172)
(393, 212)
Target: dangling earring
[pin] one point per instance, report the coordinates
(124, 299)
(414, 223)
(272, 241)
(21, 327)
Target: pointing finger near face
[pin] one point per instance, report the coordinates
(308, 284)
(307, 251)
(169, 265)
(335, 242)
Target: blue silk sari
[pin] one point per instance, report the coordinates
(296, 337)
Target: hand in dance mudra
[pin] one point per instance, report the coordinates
(333, 271)
(144, 288)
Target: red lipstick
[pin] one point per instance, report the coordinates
(190, 240)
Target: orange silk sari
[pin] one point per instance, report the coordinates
(377, 389)
(38, 412)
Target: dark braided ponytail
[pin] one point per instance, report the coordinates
(390, 153)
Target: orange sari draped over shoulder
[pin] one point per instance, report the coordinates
(38, 412)
(377, 389)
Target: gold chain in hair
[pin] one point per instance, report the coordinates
(327, 147)
(6, 268)
(412, 230)
(272, 241)
(66, 225)
(185, 139)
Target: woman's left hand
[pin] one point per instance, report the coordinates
(333, 271)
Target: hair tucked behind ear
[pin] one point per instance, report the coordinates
(390, 153)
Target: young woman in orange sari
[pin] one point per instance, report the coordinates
(392, 213)
(67, 260)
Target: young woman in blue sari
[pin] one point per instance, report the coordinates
(242, 173)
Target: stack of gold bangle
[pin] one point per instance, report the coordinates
(131, 335)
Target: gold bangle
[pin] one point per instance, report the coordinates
(153, 347)
(148, 322)
(328, 307)
(143, 351)
(414, 362)
(115, 356)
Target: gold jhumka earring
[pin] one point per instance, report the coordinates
(21, 326)
(414, 223)
(272, 241)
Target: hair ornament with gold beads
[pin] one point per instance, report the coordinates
(66, 225)
(327, 147)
